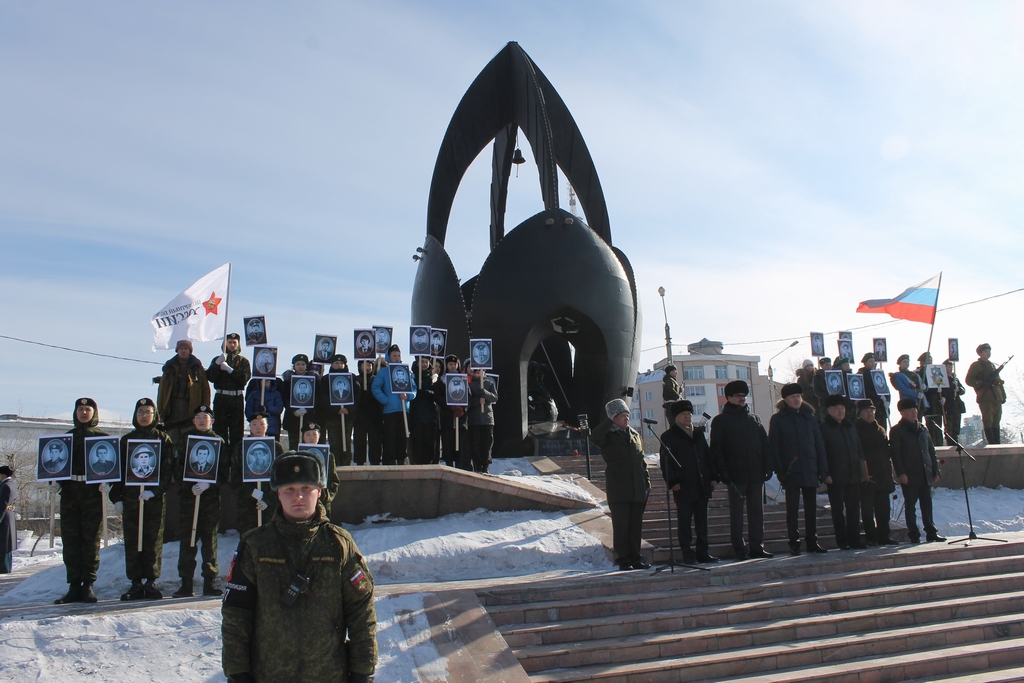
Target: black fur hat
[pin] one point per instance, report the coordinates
(297, 467)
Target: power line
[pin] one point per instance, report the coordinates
(88, 353)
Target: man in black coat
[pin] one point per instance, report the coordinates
(8, 533)
(820, 388)
(798, 455)
(917, 468)
(846, 469)
(874, 502)
(870, 363)
(739, 447)
(686, 466)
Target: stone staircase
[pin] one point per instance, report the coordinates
(928, 612)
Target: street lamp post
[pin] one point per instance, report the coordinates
(771, 375)
(668, 335)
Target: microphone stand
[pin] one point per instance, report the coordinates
(671, 564)
(960, 451)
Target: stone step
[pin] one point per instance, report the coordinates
(720, 660)
(757, 571)
(1001, 676)
(775, 599)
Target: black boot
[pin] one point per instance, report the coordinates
(150, 591)
(74, 594)
(87, 593)
(209, 588)
(135, 592)
(185, 591)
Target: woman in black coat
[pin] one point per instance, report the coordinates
(686, 466)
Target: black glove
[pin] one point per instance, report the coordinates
(768, 475)
(242, 678)
(358, 678)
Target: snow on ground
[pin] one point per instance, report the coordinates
(31, 553)
(475, 545)
(514, 467)
(520, 470)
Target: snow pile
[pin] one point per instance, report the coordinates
(522, 471)
(993, 510)
(36, 552)
(475, 545)
(513, 467)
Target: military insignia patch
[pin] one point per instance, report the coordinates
(296, 468)
(356, 578)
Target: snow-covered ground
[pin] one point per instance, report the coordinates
(520, 470)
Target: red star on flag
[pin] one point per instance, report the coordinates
(212, 303)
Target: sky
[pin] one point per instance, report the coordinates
(770, 164)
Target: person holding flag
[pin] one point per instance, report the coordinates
(229, 373)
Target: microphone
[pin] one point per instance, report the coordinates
(705, 419)
(648, 421)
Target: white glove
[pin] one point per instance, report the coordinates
(119, 507)
(300, 412)
(104, 488)
(198, 489)
(226, 368)
(257, 494)
(220, 360)
(146, 495)
(260, 505)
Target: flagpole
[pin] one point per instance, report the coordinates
(938, 289)
(227, 309)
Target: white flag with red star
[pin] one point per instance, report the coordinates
(199, 313)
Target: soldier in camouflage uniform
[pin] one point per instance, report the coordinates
(984, 378)
(330, 416)
(209, 512)
(299, 602)
(671, 391)
(229, 373)
(146, 564)
(247, 502)
(81, 511)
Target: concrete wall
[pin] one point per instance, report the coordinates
(993, 466)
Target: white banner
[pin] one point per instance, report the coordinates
(199, 313)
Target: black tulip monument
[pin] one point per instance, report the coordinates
(552, 281)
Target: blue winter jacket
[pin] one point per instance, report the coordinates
(903, 385)
(272, 401)
(381, 389)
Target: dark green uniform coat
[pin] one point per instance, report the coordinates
(209, 513)
(145, 564)
(307, 640)
(81, 510)
(229, 398)
(626, 473)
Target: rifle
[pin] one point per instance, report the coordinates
(994, 377)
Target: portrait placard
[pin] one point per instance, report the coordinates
(438, 342)
(855, 387)
(255, 330)
(846, 335)
(456, 390)
(881, 347)
(480, 354)
(143, 462)
(102, 459)
(362, 345)
(401, 379)
(320, 449)
(954, 350)
(419, 340)
(302, 393)
(54, 462)
(834, 382)
(341, 385)
(320, 369)
(878, 381)
(202, 459)
(264, 361)
(257, 456)
(935, 377)
(323, 347)
(846, 348)
(817, 344)
(381, 339)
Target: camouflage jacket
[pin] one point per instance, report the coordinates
(306, 641)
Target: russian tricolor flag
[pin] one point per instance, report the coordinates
(917, 303)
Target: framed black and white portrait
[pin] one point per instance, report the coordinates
(257, 457)
(264, 361)
(102, 459)
(881, 347)
(456, 389)
(480, 356)
(846, 335)
(846, 348)
(381, 339)
(834, 383)
(320, 369)
(438, 342)
(935, 377)
(879, 382)
(303, 391)
(401, 379)
(855, 387)
(954, 350)
(419, 340)
(341, 388)
(817, 344)
(54, 457)
(255, 330)
(143, 462)
(323, 347)
(363, 345)
(202, 458)
(321, 450)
